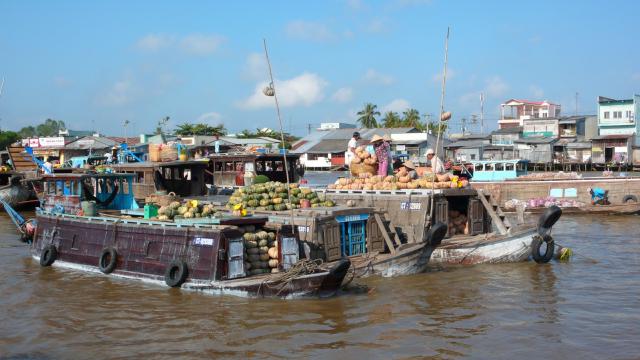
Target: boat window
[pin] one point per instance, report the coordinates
(124, 186)
(217, 166)
(488, 167)
(248, 166)
(278, 166)
(167, 173)
(479, 167)
(509, 166)
(187, 174)
(139, 176)
(520, 166)
(228, 166)
(499, 166)
(259, 166)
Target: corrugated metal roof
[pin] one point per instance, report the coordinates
(547, 140)
(329, 146)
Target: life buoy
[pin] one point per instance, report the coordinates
(628, 198)
(48, 255)
(536, 244)
(176, 273)
(107, 261)
(436, 233)
(546, 221)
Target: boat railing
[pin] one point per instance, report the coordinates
(116, 219)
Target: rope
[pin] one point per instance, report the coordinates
(280, 281)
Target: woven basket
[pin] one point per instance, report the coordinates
(162, 200)
(357, 169)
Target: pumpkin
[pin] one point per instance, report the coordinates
(264, 257)
(250, 244)
(273, 252)
(253, 251)
(273, 263)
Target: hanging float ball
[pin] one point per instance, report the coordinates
(445, 116)
(268, 91)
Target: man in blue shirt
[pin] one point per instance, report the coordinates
(598, 196)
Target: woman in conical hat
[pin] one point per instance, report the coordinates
(382, 154)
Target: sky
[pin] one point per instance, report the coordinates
(96, 64)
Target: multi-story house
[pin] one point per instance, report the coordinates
(618, 130)
(514, 112)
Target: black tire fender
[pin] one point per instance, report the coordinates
(108, 260)
(48, 255)
(536, 244)
(436, 233)
(628, 198)
(176, 273)
(546, 221)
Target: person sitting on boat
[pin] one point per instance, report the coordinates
(598, 196)
(382, 154)
(437, 167)
(351, 148)
(387, 140)
(411, 169)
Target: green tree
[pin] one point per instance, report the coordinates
(411, 118)
(433, 127)
(7, 138)
(200, 129)
(50, 127)
(367, 116)
(391, 119)
(27, 131)
(161, 124)
(266, 132)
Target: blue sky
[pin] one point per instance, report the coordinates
(94, 65)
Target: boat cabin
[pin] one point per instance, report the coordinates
(498, 170)
(184, 178)
(229, 168)
(65, 193)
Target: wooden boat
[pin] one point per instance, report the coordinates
(206, 257)
(491, 238)
(629, 208)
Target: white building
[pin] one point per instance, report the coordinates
(514, 112)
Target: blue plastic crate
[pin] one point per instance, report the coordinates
(353, 234)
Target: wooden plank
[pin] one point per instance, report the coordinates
(496, 219)
(387, 239)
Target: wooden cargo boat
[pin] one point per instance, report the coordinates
(207, 257)
(503, 179)
(629, 208)
(490, 237)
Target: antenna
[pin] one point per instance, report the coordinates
(481, 113)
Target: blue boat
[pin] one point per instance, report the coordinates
(498, 170)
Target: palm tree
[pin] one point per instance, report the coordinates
(367, 116)
(434, 127)
(411, 118)
(391, 119)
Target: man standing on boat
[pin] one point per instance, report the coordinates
(598, 196)
(351, 148)
(437, 167)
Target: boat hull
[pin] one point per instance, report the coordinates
(146, 249)
(507, 249)
(412, 259)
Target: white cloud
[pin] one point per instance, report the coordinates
(61, 82)
(303, 90)
(200, 44)
(397, 105)
(309, 30)
(213, 117)
(378, 26)
(375, 77)
(356, 4)
(119, 93)
(496, 87)
(437, 78)
(255, 66)
(154, 42)
(536, 91)
(342, 95)
(193, 44)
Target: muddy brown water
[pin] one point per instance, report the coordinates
(588, 308)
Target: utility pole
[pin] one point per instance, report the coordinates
(308, 129)
(481, 113)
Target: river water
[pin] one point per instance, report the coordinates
(588, 308)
